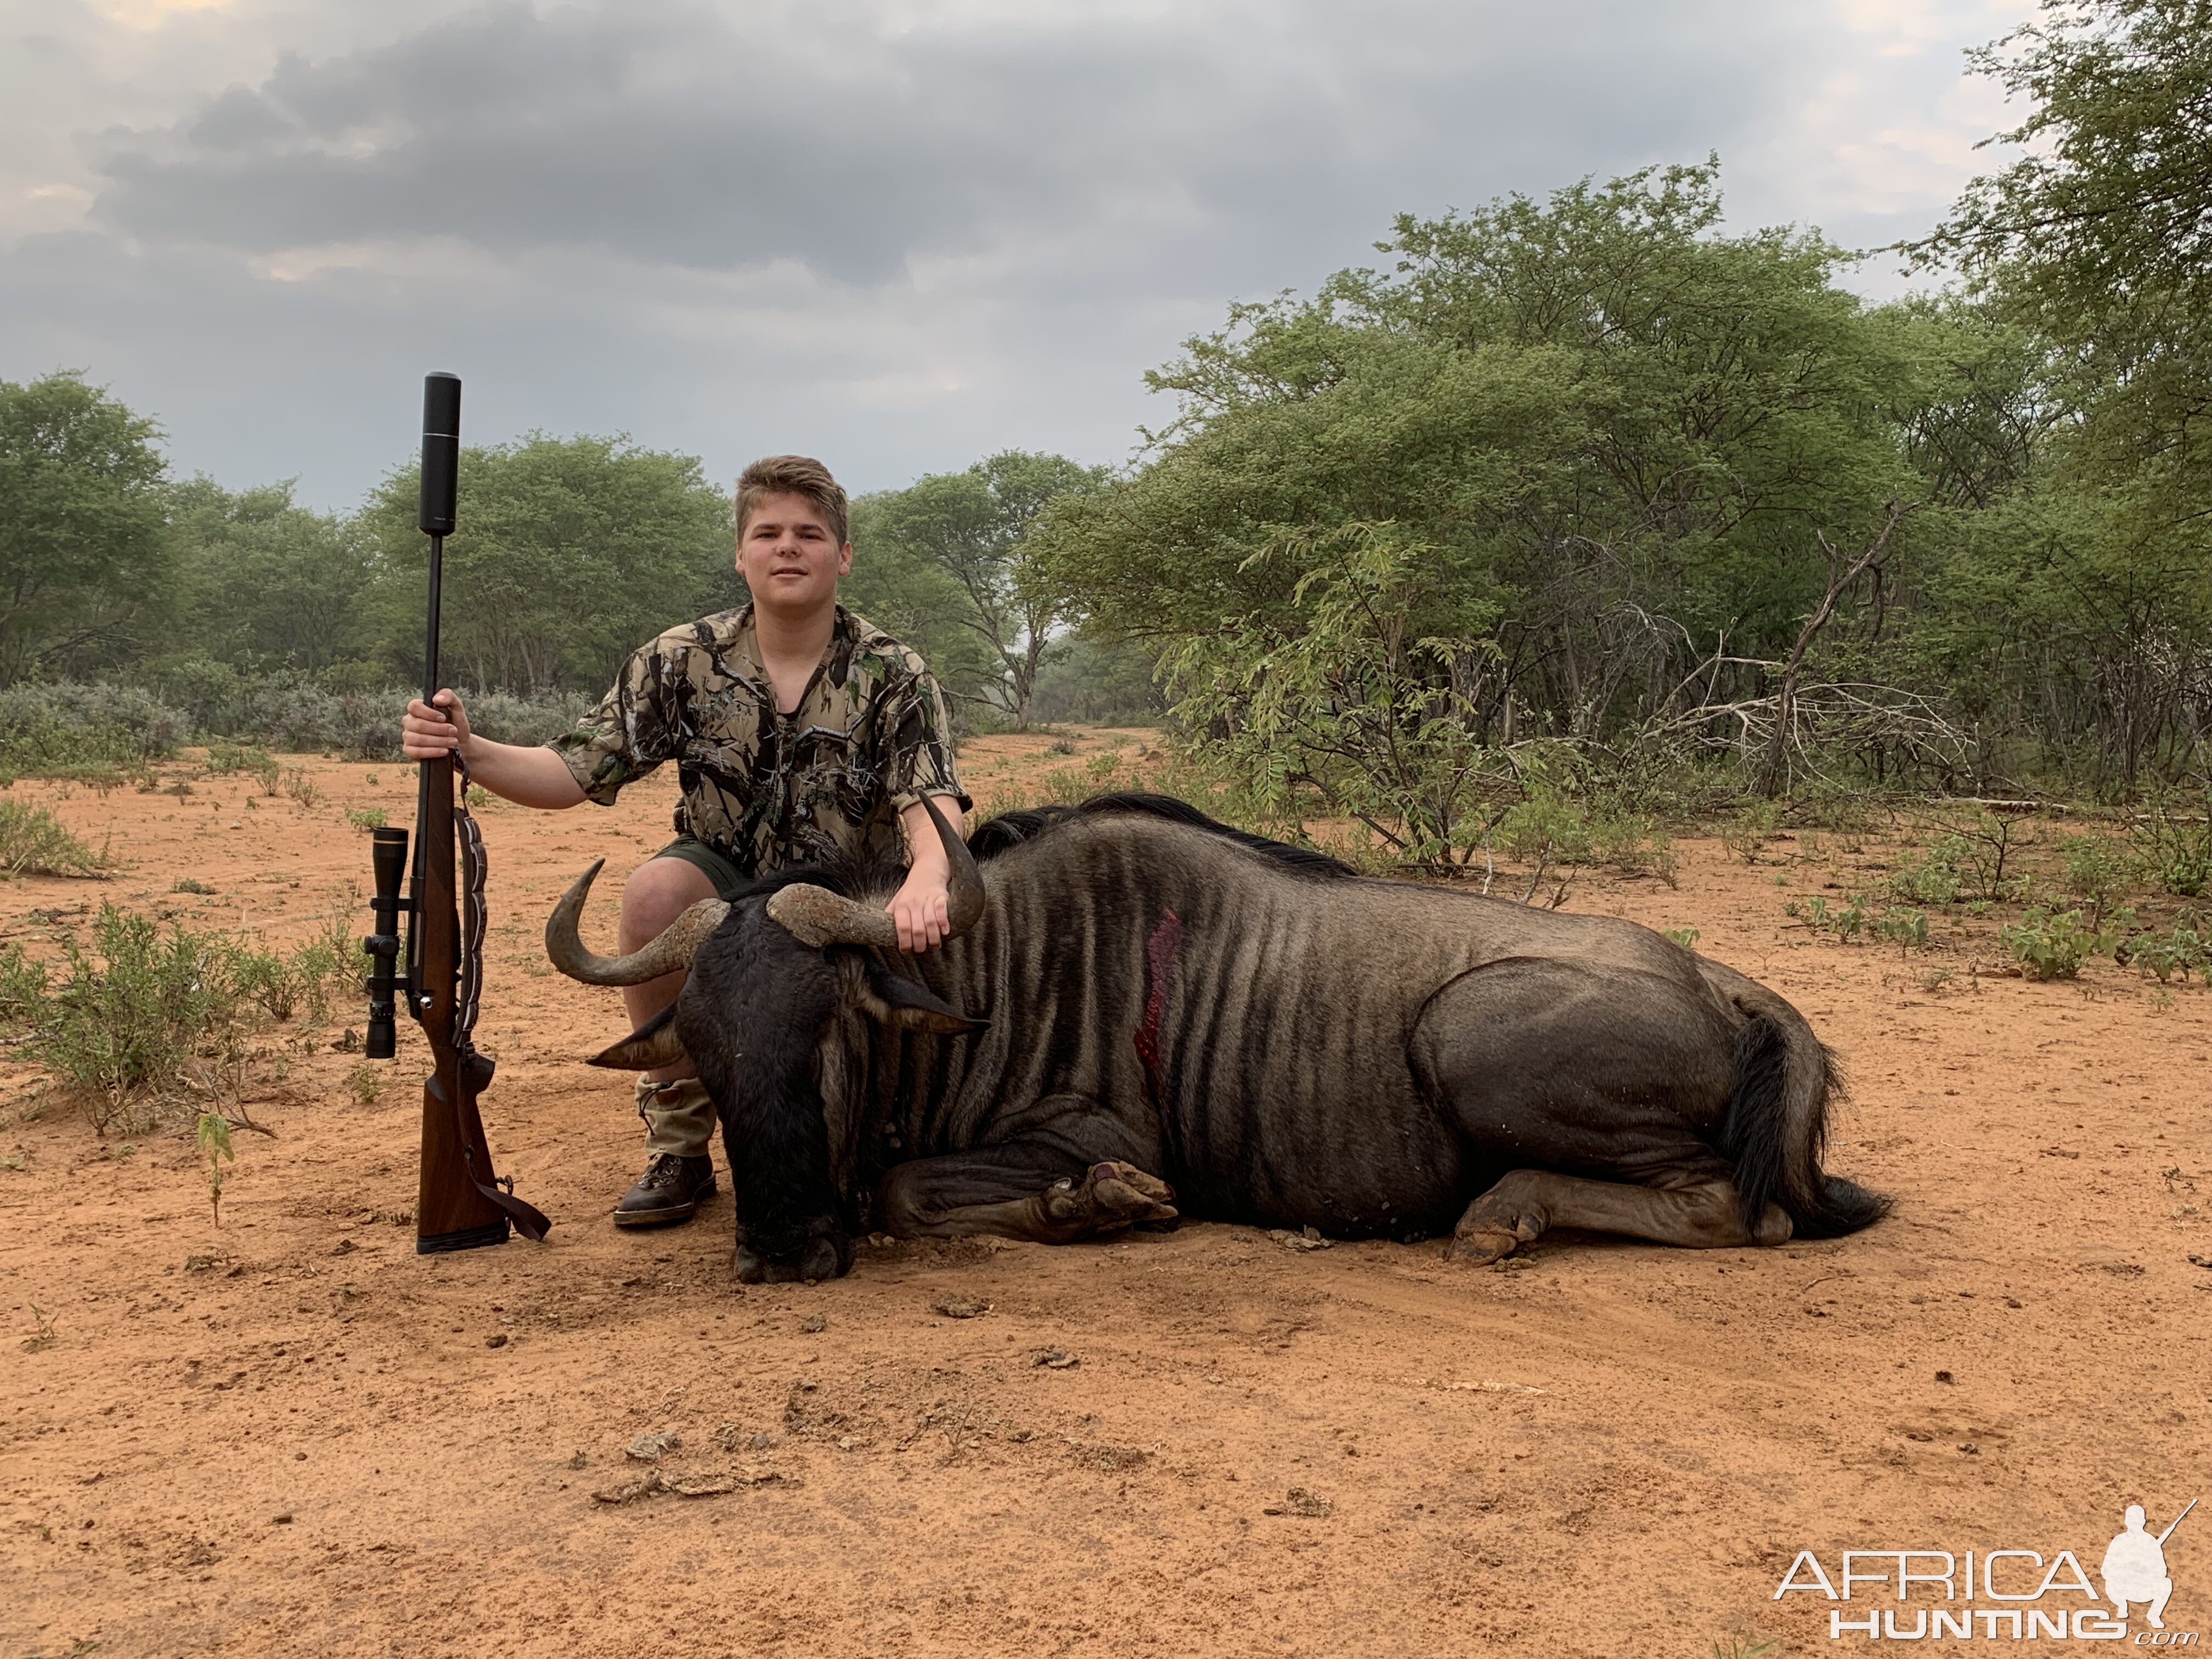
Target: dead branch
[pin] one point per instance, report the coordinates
(1839, 580)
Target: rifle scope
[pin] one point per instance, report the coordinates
(388, 856)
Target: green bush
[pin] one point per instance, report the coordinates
(96, 732)
(2049, 946)
(339, 711)
(34, 843)
(1547, 828)
(135, 1009)
(125, 1018)
(1932, 878)
(2096, 871)
(2179, 950)
(224, 757)
(2174, 848)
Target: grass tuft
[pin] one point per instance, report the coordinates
(34, 843)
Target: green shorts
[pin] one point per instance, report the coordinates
(718, 866)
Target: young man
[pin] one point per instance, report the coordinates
(798, 730)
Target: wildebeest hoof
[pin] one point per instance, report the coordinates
(826, 1253)
(1112, 1195)
(1481, 1246)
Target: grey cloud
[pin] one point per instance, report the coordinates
(594, 213)
(719, 142)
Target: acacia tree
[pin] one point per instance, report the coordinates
(2097, 243)
(267, 583)
(571, 552)
(1514, 489)
(82, 552)
(975, 527)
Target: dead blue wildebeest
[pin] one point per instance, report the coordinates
(1143, 1014)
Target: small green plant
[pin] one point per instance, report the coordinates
(2049, 946)
(1745, 1643)
(42, 1332)
(1845, 924)
(214, 1136)
(2173, 846)
(34, 843)
(2096, 871)
(1932, 879)
(475, 798)
(1748, 833)
(1547, 829)
(224, 757)
(365, 1083)
(300, 786)
(1903, 927)
(2164, 956)
(367, 818)
(1685, 937)
(186, 885)
(267, 980)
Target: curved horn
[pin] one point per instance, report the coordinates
(665, 954)
(817, 917)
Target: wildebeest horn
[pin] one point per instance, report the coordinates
(665, 954)
(817, 916)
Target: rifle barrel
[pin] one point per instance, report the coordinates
(2177, 1521)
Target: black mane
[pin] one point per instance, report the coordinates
(855, 877)
(1010, 829)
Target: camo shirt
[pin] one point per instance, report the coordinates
(765, 788)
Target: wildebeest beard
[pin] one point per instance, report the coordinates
(1186, 1019)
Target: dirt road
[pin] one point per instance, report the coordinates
(291, 1434)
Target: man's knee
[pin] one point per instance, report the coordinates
(657, 891)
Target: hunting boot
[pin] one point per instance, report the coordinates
(679, 1174)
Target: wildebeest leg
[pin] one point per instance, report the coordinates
(1073, 1175)
(1620, 1076)
(1519, 1209)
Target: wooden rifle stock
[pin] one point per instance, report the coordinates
(453, 1209)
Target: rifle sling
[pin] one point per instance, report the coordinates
(476, 1069)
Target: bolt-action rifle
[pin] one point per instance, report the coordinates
(460, 1204)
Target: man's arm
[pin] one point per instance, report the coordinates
(529, 776)
(919, 907)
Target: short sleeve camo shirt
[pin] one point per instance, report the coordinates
(867, 740)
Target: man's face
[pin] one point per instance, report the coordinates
(788, 555)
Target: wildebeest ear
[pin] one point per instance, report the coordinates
(897, 1000)
(652, 1045)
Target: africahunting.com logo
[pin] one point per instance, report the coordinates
(2001, 1594)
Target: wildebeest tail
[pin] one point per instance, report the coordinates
(1778, 1126)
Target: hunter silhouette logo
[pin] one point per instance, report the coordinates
(2002, 1593)
(2135, 1567)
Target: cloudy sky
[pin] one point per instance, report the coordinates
(897, 233)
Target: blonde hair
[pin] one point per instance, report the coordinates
(793, 475)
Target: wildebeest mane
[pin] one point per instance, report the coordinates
(855, 876)
(1011, 829)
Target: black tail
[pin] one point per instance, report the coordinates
(1778, 1125)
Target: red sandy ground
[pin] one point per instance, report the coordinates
(324, 1445)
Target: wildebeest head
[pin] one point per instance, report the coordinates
(817, 917)
(780, 980)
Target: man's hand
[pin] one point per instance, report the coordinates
(425, 735)
(920, 909)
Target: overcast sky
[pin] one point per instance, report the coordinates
(899, 235)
